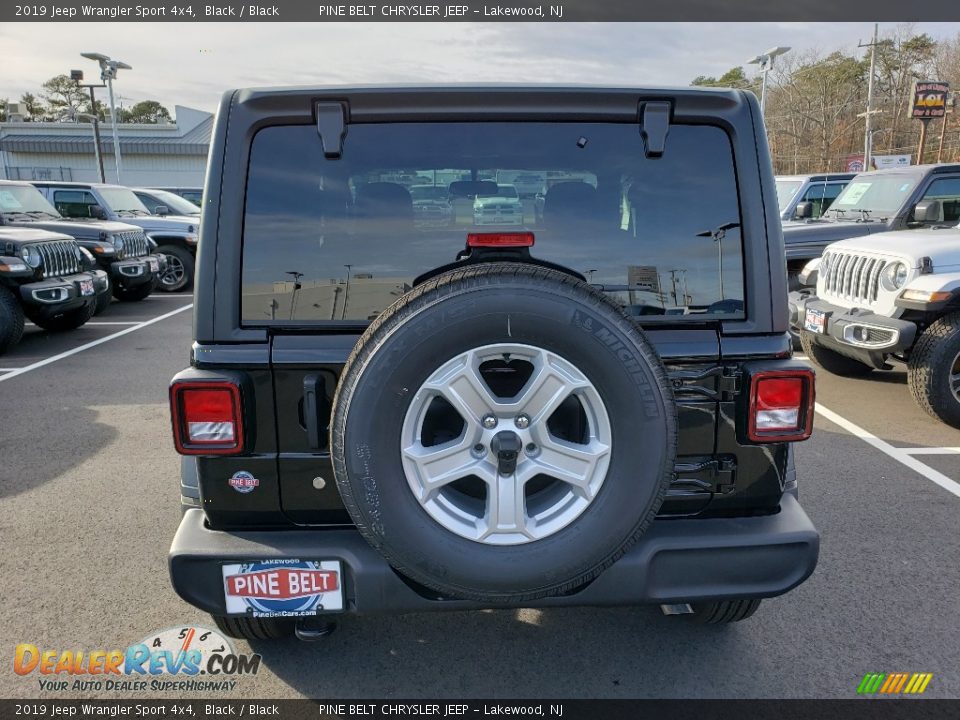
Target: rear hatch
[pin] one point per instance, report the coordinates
(330, 239)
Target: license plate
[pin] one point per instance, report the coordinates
(86, 287)
(816, 321)
(283, 588)
(154, 265)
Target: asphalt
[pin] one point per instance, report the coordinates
(88, 505)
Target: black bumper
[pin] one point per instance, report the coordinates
(61, 294)
(891, 336)
(136, 271)
(676, 561)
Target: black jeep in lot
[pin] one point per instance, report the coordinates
(45, 277)
(594, 407)
(123, 251)
(875, 202)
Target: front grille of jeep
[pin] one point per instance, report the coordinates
(852, 277)
(134, 244)
(59, 258)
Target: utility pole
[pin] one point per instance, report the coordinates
(868, 115)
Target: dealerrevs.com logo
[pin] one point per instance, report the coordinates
(176, 659)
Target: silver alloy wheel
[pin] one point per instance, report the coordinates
(554, 479)
(173, 274)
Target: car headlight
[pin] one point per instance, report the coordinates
(30, 255)
(117, 241)
(84, 253)
(77, 254)
(894, 276)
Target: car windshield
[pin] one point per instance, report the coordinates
(25, 200)
(880, 195)
(429, 192)
(786, 189)
(175, 204)
(339, 240)
(123, 201)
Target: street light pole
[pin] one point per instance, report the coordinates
(108, 71)
(870, 112)
(765, 61)
(77, 76)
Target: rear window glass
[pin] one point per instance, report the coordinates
(339, 240)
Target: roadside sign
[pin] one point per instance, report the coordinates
(643, 277)
(929, 99)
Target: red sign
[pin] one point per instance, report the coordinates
(854, 163)
(282, 583)
(929, 99)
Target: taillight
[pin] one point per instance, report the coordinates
(781, 406)
(207, 417)
(500, 239)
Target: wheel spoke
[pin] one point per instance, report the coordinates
(461, 384)
(439, 465)
(548, 386)
(506, 506)
(572, 463)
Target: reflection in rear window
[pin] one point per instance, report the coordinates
(340, 240)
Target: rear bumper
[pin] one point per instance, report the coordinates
(894, 336)
(685, 560)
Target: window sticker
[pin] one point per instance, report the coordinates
(855, 191)
(8, 201)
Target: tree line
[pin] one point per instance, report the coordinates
(814, 100)
(62, 99)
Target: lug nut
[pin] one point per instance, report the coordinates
(531, 449)
(522, 421)
(489, 421)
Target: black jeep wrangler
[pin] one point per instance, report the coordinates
(45, 277)
(590, 407)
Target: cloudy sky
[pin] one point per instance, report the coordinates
(192, 63)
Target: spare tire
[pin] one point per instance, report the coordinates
(503, 433)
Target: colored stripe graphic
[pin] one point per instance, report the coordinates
(894, 683)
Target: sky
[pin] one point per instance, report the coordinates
(193, 63)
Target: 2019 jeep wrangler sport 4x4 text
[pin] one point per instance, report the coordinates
(593, 406)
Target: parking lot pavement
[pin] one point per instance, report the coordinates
(88, 501)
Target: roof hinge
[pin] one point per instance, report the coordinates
(331, 127)
(654, 126)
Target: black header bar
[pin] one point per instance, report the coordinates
(480, 11)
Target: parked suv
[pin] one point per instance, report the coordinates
(801, 197)
(890, 296)
(162, 202)
(874, 202)
(381, 419)
(122, 250)
(175, 235)
(43, 278)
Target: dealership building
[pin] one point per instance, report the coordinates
(166, 154)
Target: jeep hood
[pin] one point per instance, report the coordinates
(822, 231)
(80, 229)
(941, 246)
(167, 223)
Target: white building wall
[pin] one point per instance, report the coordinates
(137, 170)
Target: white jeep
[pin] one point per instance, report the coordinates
(883, 297)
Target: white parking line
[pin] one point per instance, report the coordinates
(931, 450)
(133, 328)
(113, 322)
(901, 455)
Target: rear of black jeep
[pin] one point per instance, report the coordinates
(592, 405)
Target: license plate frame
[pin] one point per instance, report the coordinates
(815, 321)
(283, 588)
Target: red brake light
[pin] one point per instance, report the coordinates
(207, 418)
(781, 406)
(500, 239)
